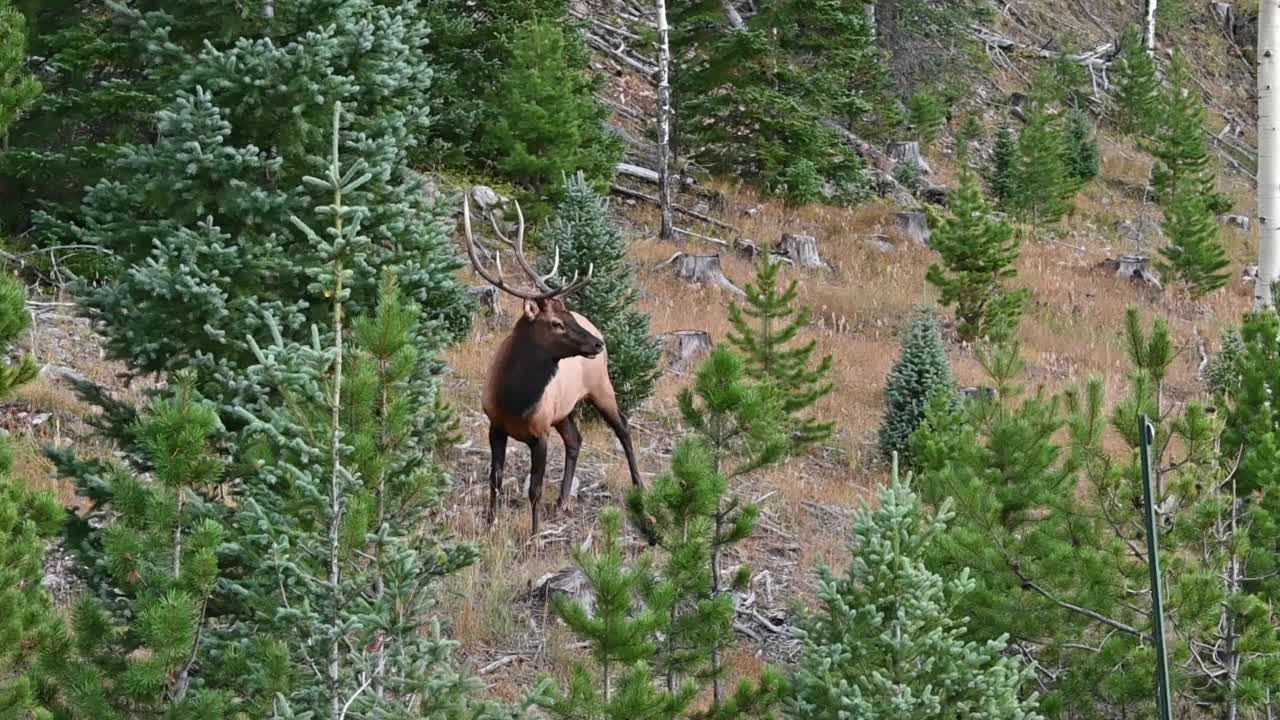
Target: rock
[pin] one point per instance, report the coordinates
(880, 244)
(704, 269)
(569, 581)
(936, 194)
(915, 225)
(486, 198)
(801, 250)
(683, 347)
(909, 152)
(63, 373)
(1240, 221)
(753, 212)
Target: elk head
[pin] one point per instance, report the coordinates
(545, 320)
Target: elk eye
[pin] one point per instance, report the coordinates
(557, 325)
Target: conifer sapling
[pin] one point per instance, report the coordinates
(921, 373)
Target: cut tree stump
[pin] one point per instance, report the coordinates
(801, 250)
(684, 347)
(747, 248)
(909, 152)
(702, 269)
(915, 225)
(1136, 268)
(486, 296)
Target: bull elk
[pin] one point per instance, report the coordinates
(552, 360)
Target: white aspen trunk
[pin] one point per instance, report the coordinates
(1151, 26)
(664, 122)
(1268, 146)
(268, 9)
(869, 10)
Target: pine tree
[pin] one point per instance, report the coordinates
(202, 228)
(683, 512)
(628, 607)
(928, 116)
(1045, 185)
(763, 334)
(920, 373)
(1179, 144)
(27, 521)
(1082, 146)
(1194, 256)
(548, 121)
(587, 240)
(978, 257)
(18, 89)
(1137, 92)
(889, 642)
(1003, 174)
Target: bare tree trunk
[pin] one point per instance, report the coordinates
(268, 9)
(1151, 26)
(664, 122)
(731, 14)
(1268, 146)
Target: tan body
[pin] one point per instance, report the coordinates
(578, 378)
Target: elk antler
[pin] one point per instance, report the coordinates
(518, 248)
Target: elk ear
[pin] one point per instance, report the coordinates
(531, 310)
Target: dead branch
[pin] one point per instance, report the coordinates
(628, 192)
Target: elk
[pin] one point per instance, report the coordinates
(552, 360)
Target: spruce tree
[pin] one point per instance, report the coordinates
(27, 521)
(1083, 155)
(18, 89)
(921, 372)
(548, 123)
(1137, 87)
(203, 228)
(587, 240)
(628, 608)
(1179, 145)
(889, 641)
(978, 257)
(928, 116)
(1045, 184)
(764, 331)
(1003, 174)
(1194, 256)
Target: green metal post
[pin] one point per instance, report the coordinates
(1164, 700)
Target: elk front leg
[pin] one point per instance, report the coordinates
(618, 423)
(568, 430)
(537, 471)
(497, 462)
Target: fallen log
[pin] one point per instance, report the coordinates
(628, 192)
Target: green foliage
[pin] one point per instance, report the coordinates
(755, 103)
(1194, 256)
(1084, 160)
(1003, 174)
(1221, 375)
(971, 130)
(1046, 519)
(1137, 87)
(909, 175)
(928, 116)
(548, 122)
(628, 608)
(978, 257)
(921, 372)
(18, 89)
(203, 228)
(741, 422)
(889, 631)
(586, 240)
(27, 521)
(1045, 184)
(1179, 146)
(763, 334)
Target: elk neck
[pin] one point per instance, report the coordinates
(527, 372)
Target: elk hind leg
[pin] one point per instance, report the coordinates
(497, 463)
(568, 430)
(537, 471)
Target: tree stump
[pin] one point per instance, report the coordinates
(915, 225)
(747, 248)
(801, 249)
(1136, 268)
(683, 347)
(936, 194)
(486, 296)
(909, 152)
(702, 269)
